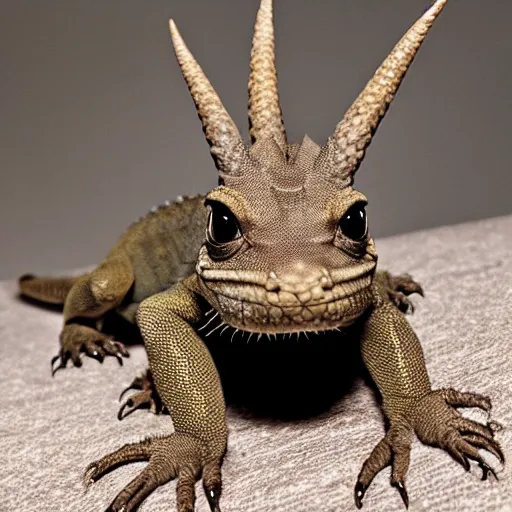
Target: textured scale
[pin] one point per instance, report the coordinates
(200, 414)
(264, 108)
(221, 132)
(180, 228)
(354, 133)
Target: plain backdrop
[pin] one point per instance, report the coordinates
(97, 126)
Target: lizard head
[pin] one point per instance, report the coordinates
(287, 245)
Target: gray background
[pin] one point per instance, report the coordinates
(97, 126)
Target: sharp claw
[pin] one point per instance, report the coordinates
(213, 496)
(55, 370)
(487, 444)
(467, 465)
(60, 366)
(486, 470)
(88, 479)
(127, 404)
(125, 390)
(119, 359)
(96, 355)
(119, 348)
(403, 492)
(359, 492)
(54, 359)
(499, 453)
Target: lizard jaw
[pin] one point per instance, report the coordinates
(341, 307)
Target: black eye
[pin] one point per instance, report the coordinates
(223, 227)
(353, 224)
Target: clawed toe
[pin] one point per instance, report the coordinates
(466, 447)
(62, 359)
(459, 436)
(94, 350)
(212, 485)
(394, 449)
(400, 486)
(486, 469)
(138, 401)
(213, 496)
(54, 369)
(402, 302)
(399, 288)
(406, 284)
(169, 457)
(486, 444)
(116, 349)
(76, 339)
(146, 397)
(359, 492)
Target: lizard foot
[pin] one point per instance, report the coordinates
(76, 339)
(174, 456)
(146, 396)
(399, 288)
(436, 422)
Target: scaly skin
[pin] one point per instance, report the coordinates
(153, 254)
(287, 250)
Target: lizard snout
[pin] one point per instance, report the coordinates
(305, 282)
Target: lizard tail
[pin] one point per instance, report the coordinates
(50, 290)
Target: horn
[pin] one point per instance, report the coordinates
(226, 144)
(354, 133)
(265, 117)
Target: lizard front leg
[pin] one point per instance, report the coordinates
(89, 299)
(397, 289)
(189, 385)
(394, 358)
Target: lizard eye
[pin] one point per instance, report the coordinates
(223, 226)
(354, 223)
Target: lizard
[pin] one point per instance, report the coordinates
(285, 248)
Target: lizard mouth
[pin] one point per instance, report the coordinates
(250, 307)
(217, 327)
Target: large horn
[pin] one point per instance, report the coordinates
(354, 133)
(265, 117)
(226, 144)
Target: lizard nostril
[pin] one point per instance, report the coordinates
(326, 283)
(272, 284)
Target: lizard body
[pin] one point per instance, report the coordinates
(285, 249)
(154, 253)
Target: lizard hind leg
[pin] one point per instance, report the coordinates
(146, 396)
(90, 298)
(169, 457)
